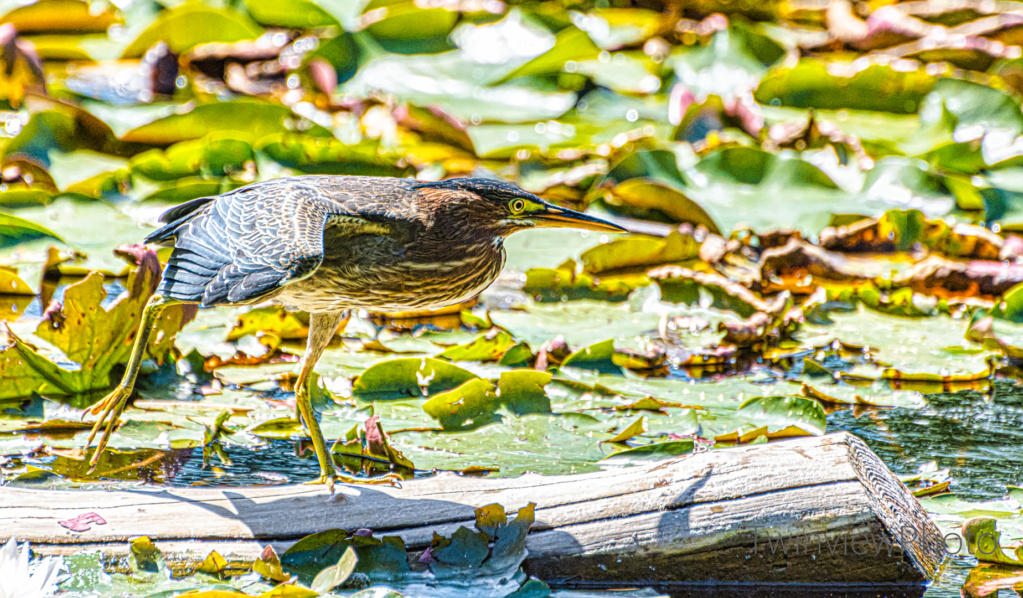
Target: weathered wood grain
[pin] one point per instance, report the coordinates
(717, 515)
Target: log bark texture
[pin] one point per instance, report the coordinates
(810, 510)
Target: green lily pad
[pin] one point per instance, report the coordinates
(245, 119)
(14, 230)
(297, 14)
(469, 406)
(523, 391)
(315, 155)
(409, 28)
(599, 356)
(191, 24)
(487, 347)
(655, 451)
(215, 156)
(570, 44)
(863, 85)
(639, 251)
(782, 412)
(409, 377)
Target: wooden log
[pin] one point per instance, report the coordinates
(808, 510)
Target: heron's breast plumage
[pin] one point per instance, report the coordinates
(407, 282)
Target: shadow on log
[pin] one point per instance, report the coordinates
(809, 510)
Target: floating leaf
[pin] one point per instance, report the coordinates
(639, 251)
(815, 83)
(471, 405)
(191, 24)
(335, 575)
(14, 230)
(296, 14)
(273, 320)
(632, 430)
(488, 347)
(523, 391)
(145, 556)
(246, 119)
(983, 540)
(315, 155)
(782, 412)
(214, 564)
(268, 565)
(95, 338)
(570, 44)
(216, 155)
(410, 377)
(11, 284)
(656, 450)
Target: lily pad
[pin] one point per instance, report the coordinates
(409, 377)
(14, 230)
(191, 24)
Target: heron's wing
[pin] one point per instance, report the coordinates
(243, 246)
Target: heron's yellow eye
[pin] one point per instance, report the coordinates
(517, 205)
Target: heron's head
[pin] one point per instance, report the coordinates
(498, 208)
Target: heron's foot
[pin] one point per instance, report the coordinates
(331, 478)
(109, 410)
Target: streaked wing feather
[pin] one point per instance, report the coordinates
(243, 246)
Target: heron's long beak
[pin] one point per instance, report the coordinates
(563, 217)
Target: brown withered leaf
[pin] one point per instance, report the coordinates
(789, 266)
(748, 332)
(943, 277)
(683, 284)
(907, 230)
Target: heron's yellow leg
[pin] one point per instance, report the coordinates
(322, 327)
(111, 407)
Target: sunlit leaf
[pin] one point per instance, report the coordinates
(471, 405)
(214, 156)
(297, 14)
(570, 44)
(268, 565)
(860, 85)
(328, 156)
(246, 119)
(488, 347)
(14, 230)
(983, 540)
(214, 564)
(656, 450)
(634, 251)
(410, 377)
(145, 556)
(95, 338)
(409, 28)
(634, 429)
(190, 24)
(335, 575)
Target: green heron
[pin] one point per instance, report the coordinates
(328, 244)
